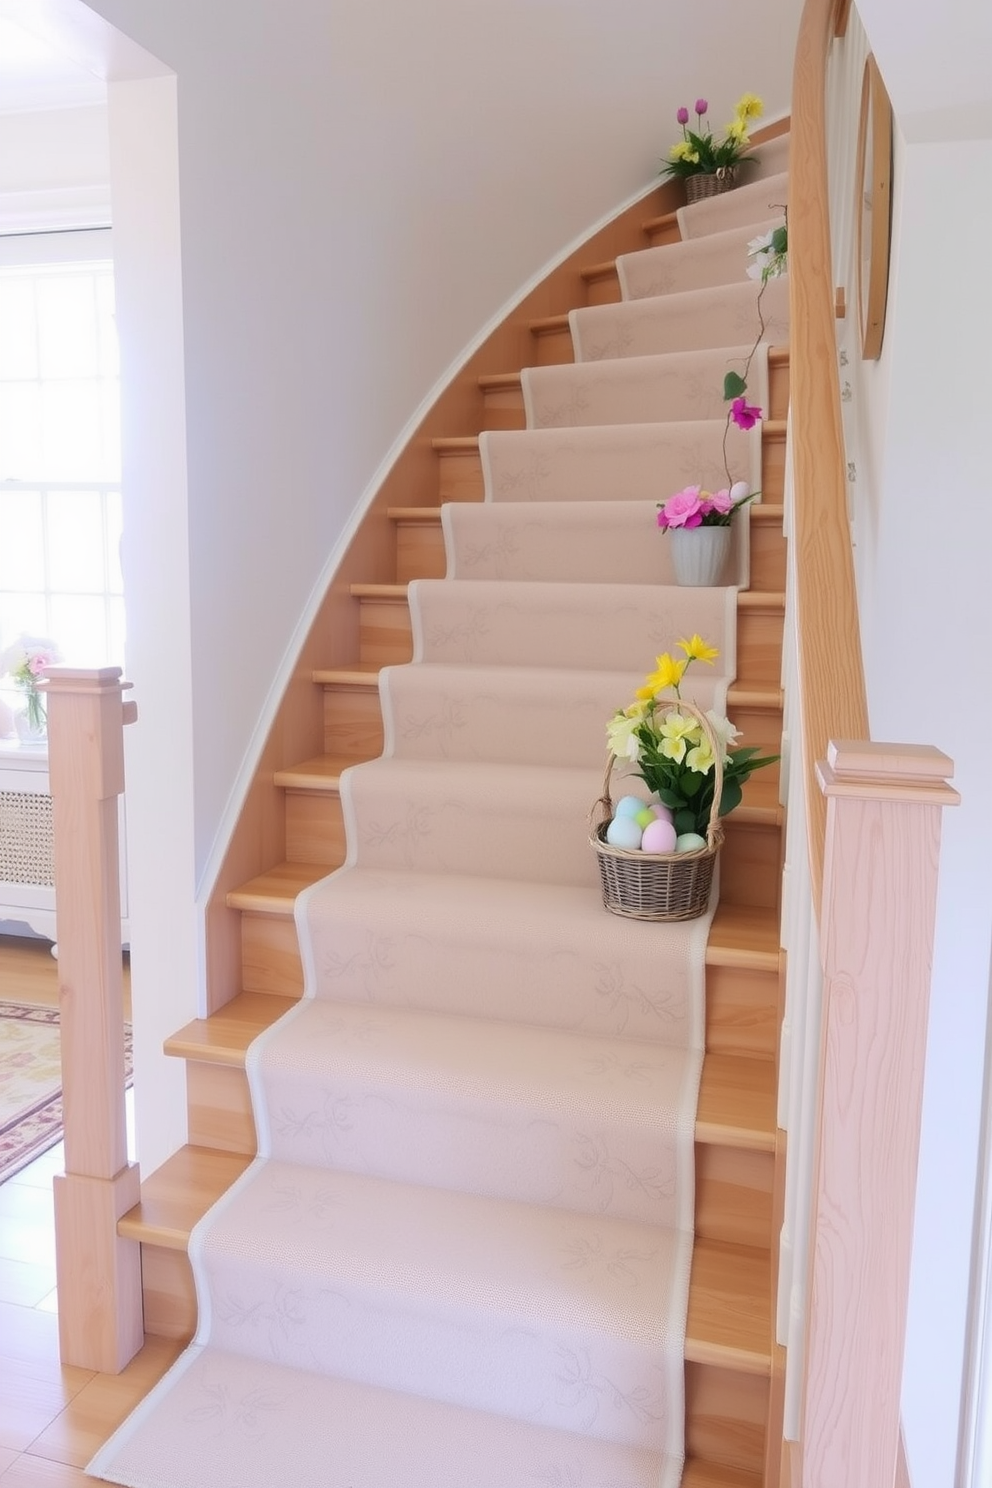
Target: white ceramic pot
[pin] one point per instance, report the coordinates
(699, 555)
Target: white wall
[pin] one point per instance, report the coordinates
(923, 535)
(54, 169)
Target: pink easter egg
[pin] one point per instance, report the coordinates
(659, 837)
(663, 813)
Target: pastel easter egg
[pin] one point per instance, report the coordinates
(629, 806)
(690, 842)
(659, 837)
(623, 831)
(644, 818)
(663, 813)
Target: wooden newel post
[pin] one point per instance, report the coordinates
(884, 806)
(98, 1274)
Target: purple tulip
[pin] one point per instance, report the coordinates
(683, 115)
(701, 106)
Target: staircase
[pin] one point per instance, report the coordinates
(732, 1430)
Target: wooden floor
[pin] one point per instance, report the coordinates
(52, 1419)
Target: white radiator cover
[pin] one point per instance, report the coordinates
(27, 846)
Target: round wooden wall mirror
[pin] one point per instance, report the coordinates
(873, 208)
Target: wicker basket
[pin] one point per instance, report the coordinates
(710, 183)
(658, 886)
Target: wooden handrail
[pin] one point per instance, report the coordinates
(98, 1273)
(831, 673)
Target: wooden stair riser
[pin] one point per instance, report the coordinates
(352, 721)
(602, 284)
(460, 469)
(741, 1003)
(661, 231)
(725, 1415)
(552, 343)
(420, 554)
(503, 399)
(385, 637)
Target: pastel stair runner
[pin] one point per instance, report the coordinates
(462, 1256)
(616, 462)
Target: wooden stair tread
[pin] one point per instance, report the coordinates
(498, 382)
(767, 514)
(179, 1193)
(729, 1293)
(599, 270)
(736, 1099)
(547, 325)
(275, 891)
(699, 1474)
(742, 936)
(322, 773)
(655, 224)
(366, 675)
(355, 674)
(747, 599)
(466, 444)
(223, 1038)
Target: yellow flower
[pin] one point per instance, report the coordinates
(696, 649)
(673, 734)
(668, 674)
(737, 131)
(683, 151)
(621, 732)
(700, 758)
(749, 106)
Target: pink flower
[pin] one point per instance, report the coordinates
(684, 509)
(39, 662)
(683, 116)
(721, 502)
(701, 106)
(744, 415)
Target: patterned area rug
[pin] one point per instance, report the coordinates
(31, 1083)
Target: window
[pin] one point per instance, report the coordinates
(60, 501)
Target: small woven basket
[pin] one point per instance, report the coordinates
(658, 886)
(710, 183)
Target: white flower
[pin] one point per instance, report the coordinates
(621, 734)
(724, 730)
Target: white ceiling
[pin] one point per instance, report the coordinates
(32, 76)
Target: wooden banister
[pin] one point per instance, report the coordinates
(98, 1274)
(831, 673)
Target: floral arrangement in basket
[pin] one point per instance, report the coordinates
(692, 506)
(26, 660)
(657, 856)
(700, 153)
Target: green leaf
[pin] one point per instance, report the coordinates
(685, 821)
(734, 386)
(731, 797)
(690, 786)
(780, 240)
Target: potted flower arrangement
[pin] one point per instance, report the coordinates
(657, 857)
(699, 522)
(26, 661)
(706, 164)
